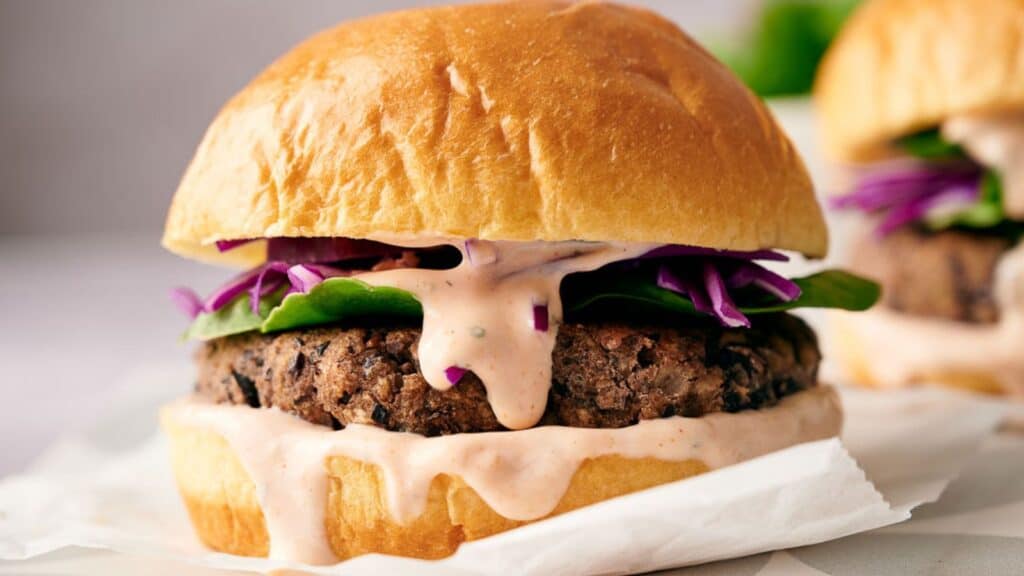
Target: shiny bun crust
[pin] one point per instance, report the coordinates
(900, 66)
(221, 497)
(517, 121)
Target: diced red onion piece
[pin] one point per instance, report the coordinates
(454, 374)
(187, 301)
(722, 305)
(540, 317)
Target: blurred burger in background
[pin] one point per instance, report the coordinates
(924, 99)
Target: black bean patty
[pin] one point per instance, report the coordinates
(605, 375)
(947, 274)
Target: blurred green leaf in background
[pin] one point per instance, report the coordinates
(780, 52)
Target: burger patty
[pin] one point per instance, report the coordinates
(605, 375)
(948, 274)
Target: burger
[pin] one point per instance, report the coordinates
(500, 262)
(923, 101)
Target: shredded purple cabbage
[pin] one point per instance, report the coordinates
(670, 250)
(226, 245)
(911, 193)
(722, 305)
(703, 275)
(187, 301)
(259, 282)
(232, 289)
(317, 250)
(749, 273)
(323, 250)
(270, 280)
(706, 282)
(708, 294)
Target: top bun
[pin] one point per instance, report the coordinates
(519, 121)
(900, 66)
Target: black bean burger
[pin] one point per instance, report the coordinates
(501, 261)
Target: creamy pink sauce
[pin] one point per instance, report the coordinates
(522, 475)
(902, 349)
(997, 141)
(479, 315)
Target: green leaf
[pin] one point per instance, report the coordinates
(826, 289)
(780, 54)
(234, 318)
(338, 299)
(929, 144)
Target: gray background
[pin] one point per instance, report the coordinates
(102, 103)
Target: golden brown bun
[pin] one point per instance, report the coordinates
(221, 500)
(899, 66)
(520, 121)
(850, 349)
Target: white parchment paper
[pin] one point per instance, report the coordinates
(101, 488)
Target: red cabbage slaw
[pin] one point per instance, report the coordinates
(707, 284)
(914, 191)
(259, 283)
(703, 275)
(317, 250)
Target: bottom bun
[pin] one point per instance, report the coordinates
(223, 502)
(883, 349)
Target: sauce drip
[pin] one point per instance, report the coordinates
(480, 316)
(522, 475)
(997, 141)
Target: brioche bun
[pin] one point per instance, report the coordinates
(517, 121)
(900, 66)
(222, 501)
